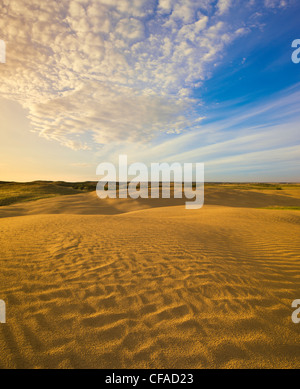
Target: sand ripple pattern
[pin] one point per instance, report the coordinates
(155, 288)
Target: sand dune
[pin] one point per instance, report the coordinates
(133, 284)
(90, 204)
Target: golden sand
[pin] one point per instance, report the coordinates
(92, 283)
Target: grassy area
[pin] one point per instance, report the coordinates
(254, 186)
(14, 192)
(291, 208)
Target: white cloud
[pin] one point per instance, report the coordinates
(223, 6)
(232, 146)
(130, 29)
(107, 70)
(276, 3)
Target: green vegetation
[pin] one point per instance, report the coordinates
(15, 192)
(254, 186)
(291, 208)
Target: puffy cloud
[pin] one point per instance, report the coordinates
(136, 118)
(130, 29)
(106, 70)
(223, 6)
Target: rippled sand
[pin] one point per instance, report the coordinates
(90, 283)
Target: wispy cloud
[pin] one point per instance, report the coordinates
(241, 142)
(277, 3)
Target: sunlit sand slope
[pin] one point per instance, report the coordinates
(90, 204)
(157, 288)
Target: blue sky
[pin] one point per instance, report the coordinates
(162, 81)
(258, 65)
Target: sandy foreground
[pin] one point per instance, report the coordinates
(92, 283)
